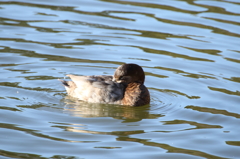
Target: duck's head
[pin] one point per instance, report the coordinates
(128, 73)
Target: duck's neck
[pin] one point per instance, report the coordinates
(136, 94)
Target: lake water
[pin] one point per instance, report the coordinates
(189, 50)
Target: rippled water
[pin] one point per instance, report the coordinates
(190, 51)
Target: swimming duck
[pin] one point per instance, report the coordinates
(125, 87)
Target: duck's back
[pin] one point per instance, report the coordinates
(95, 89)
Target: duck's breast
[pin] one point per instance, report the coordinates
(136, 94)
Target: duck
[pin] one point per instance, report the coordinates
(125, 87)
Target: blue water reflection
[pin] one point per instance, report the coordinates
(189, 51)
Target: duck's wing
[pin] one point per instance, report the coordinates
(103, 78)
(100, 81)
(96, 89)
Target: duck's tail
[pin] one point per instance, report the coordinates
(65, 83)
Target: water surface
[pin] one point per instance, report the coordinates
(189, 51)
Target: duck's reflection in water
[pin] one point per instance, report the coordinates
(96, 118)
(88, 110)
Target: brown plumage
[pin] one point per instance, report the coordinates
(136, 94)
(125, 87)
